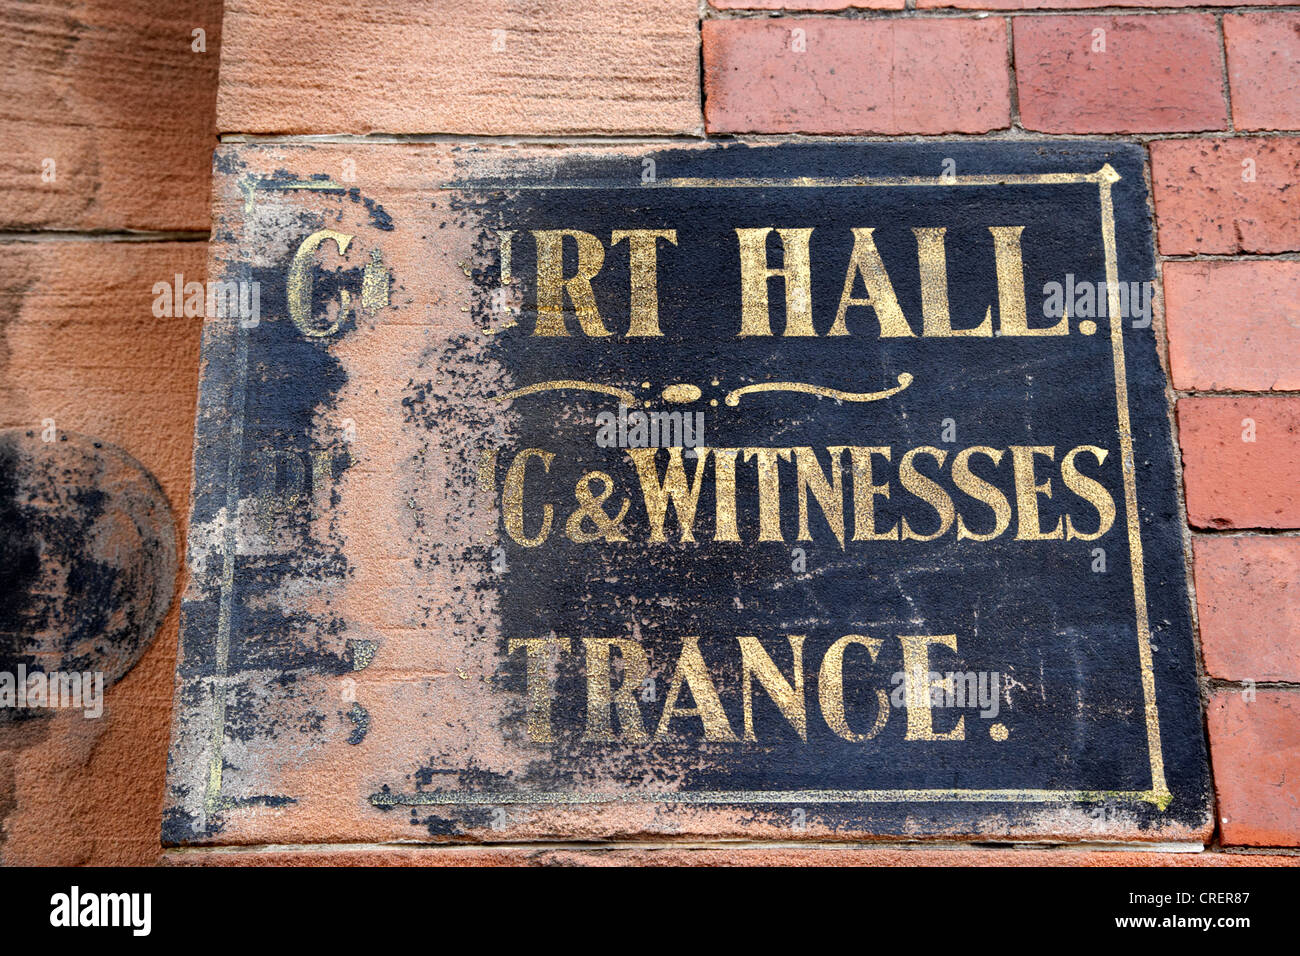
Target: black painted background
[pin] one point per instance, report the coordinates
(1032, 611)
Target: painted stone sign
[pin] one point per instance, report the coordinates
(823, 489)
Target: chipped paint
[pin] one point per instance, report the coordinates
(346, 670)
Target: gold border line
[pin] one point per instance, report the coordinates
(483, 798)
(805, 182)
(1137, 564)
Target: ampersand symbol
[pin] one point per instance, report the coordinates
(591, 508)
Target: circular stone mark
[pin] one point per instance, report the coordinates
(87, 557)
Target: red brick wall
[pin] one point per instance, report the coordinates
(1216, 97)
(1213, 91)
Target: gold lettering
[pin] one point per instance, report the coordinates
(512, 499)
(673, 488)
(865, 261)
(796, 270)
(1089, 490)
(724, 490)
(537, 651)
(769, 490)
(755, 662)
(864, 495)
(644, 270)
(933, 261)
(505, 237)
(299, 283)
(830, 688)
(927, 490)
(591, 509)
(1012, 319)
(830, 495)
(916, 675)
(692, 671)
(980, 490)
(600, 695)
(552, 286)
(1027, 492)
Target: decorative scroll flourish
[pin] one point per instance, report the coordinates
(685, 393)
(622, 394)
(904, 380)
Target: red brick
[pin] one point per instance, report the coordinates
(1157, 74)
(1231, 483)
(1233, 325)
(1248, 597)
(1203, 204)
(1264, 69)
(856, 76)
(1255, 747)
(807, 4)
(1083, 4)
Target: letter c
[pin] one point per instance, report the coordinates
(512, 499)
(299, 282)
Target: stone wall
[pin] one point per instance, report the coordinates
(120, 98)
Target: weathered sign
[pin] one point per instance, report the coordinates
(822, 489)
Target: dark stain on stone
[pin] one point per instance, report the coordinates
(290, 380)
(87, 556)
(379, 217)
(272, 800)
(361, 718)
